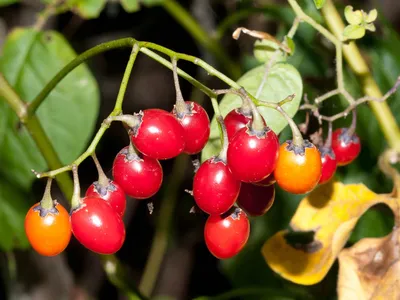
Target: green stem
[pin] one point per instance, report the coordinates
(47, 201)
(125, 79)
(163, 227)
(121, 43)
(201, 36)
(381, 110)
(12, 98)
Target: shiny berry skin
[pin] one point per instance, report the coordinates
(236, 120)
(139, 176)
(267, 181)
(112, 193)
(225, 235)
(196, 124)
(345, 147)
(159, 134)
(256, 200)
(48, 230)
(298, 169)
(97, 226)
(329, 164)
(252, 155)
(215, 189)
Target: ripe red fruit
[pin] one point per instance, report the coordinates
(139, 176)
(252, 154)
(196, 124)
(298, 169)
(345, 146)
(97, 226)
(267, 181)
(235, 120)
(225, 236)
(328, 160)
(48, 230)
(215, 189)
(256, 200)
(158, 135)
(112, 193)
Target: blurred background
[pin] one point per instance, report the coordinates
(188, 270)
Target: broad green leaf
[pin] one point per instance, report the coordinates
(319, 3)
(88, 9)
(130, 5)
(353, 17)
(13, 207)
(283, 80)
(30, 59)
(7, 2)
(264, 50)
(353, 32)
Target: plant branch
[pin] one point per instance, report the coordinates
(106, 123)
(357, 63)
(201, 36)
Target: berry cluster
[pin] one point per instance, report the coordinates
(244, 173)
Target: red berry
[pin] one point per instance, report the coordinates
(236, 120)
(196, 124)
(139, 176)
(225, 236)
(112, 193)
(252, 155)
(159, 134)
(215, 189)
(267, 181)
(329, 164)
(256, 200)
(346, 147)
(97, 226)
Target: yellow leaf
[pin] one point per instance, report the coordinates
(331, 211)
(371, 269)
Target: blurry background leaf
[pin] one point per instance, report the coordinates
(30, 59)
(88, 8)
(7, 2)
(319, 3)
(14, 203)
(130, 5)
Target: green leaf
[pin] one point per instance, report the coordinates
(87, 9)
(283, 80)
(68, 115)
(13, 207)
(353, 17)
(354, 32)
(292, 46)
(319, 3)
(130, 5)
(7, 2)
(264, 50)
(152, 2)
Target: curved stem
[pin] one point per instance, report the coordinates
(328, 142)
(121, 43)
(47, 201)
(353, 125)
(296, 134)
(125, 79)
(103, 179)
(359, 66)
(201, 36)
(180, 102)
(76, 195)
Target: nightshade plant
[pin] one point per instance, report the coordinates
(241, 158)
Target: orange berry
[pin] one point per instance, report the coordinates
(298, 168)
